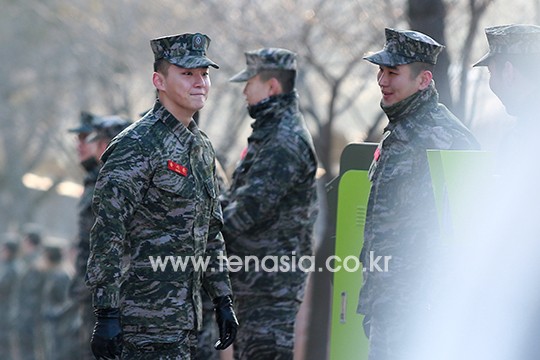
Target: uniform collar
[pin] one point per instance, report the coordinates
(176, 127)
(269, 112)
(412, 104)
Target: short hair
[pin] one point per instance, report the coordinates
(287, 78)
(418, 67)
(162, 66)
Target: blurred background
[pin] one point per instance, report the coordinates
(62, 57)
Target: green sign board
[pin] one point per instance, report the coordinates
(461, 181)
(347, 335)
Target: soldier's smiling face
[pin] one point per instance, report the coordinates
(397, 83)
(184, 89)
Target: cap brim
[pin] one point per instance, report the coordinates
(193, 62)
(484, 60)
(385, 58)
(81, 129)
(243, 75)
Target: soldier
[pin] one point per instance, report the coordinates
(28, 296)
(401, 220)
(506, 325)
(271, 206)
(513, 54)
(57, 319)
(93, 135)
(8, 277)
(156, 195)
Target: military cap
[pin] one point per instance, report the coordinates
(184, 50)
(107, 127)
(265, 59)
(405, 47)
(85, 125)
(515, 39)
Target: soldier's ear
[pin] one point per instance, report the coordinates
(508, 72)
(275, 87)
(425, 79)
(158, 80)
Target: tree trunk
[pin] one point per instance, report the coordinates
(428, 17)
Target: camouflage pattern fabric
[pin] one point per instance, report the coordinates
(78, 290)
(267, 328)
(184, 50)
(153, 348)
(85, 222)
(266, 59)
(271, 206)
(28, 299)
(209, 332)
(401, 217)
(156, 195)
(59, 320)
(405, 47)
(511, 40)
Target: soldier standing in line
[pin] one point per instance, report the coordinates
(8, 277)
(401, 219)
(157, 195)
(28, 297)
(58, 320)
(78, 290)
(271, 206)
(93, 135)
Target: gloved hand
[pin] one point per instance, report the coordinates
(226, 320)
(107, 336)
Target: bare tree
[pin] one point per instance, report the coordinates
(61, 57)
(429, 17)
(477, 9)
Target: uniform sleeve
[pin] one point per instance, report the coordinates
(216, 279)
(120, 187)
(275, 170)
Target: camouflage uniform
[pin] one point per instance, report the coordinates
(401, 217)
(157, 196)
(28, 293)
(57, 319)
(96, 127)
(270, 210)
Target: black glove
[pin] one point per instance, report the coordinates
(107, 337)
(226, 320)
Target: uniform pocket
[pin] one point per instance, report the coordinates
(175, 183)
